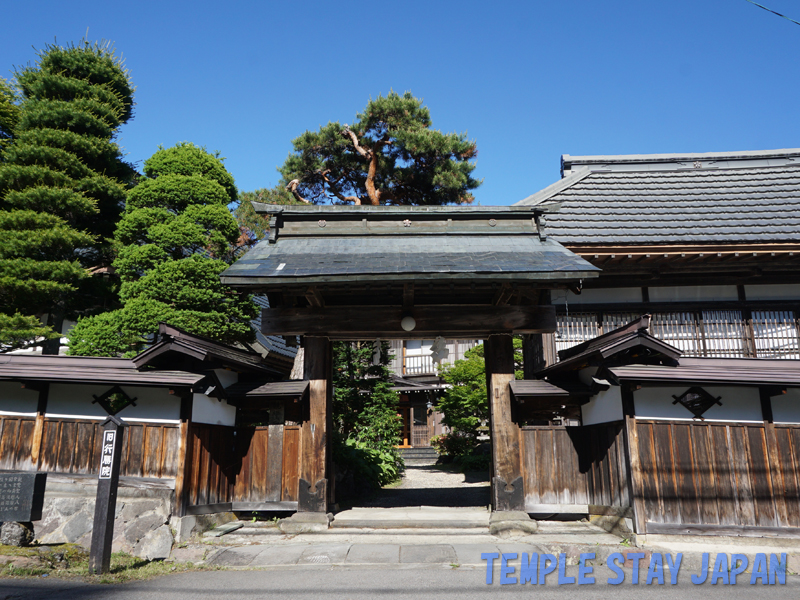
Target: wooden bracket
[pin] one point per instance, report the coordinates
(314, 297)
(503, 295)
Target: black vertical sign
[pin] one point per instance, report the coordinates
(106, 502)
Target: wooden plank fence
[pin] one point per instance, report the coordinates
(701, 477)
(580, 466)
(73, 446)
(234, 466)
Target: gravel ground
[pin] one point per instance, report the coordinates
(427, 485)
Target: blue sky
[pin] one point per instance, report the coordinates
(528, 81)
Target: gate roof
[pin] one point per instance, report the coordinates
(360, 244)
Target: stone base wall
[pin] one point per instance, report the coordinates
(143, 522)
(141, 525)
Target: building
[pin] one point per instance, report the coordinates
(708, 244)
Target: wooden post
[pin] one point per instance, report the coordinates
(106, 501)
(635, 476)
(313, 492)
(184, 454)
(775, 467)
(532, 354)
(507, 487)
(38, 428)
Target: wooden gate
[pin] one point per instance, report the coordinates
(241, 468)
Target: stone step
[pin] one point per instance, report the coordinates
(412, 518)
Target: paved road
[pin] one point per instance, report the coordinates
(334, 583)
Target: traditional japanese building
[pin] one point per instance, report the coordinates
(708, 244)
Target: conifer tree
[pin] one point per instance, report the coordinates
(9, 114)
(62, 189)
(389, 155)
(175, 237)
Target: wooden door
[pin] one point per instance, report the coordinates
(405, 432)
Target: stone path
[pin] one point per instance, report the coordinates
(431, 485)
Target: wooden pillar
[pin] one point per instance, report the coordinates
(38, 428)
(532, 354)
(775, 466)
(184, 471)
(314, 454)
(635, 475)
(507, 487)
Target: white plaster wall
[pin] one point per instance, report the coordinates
(212, 411)
(738, 403)
(15, 400)
(690, 293)
(75, 401)
(781, 291)
(227, 378)
(598, 296)
(603, 408)
(786, 407)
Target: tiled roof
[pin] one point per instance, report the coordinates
(403, 243)
(330, 257)
(273, 343)
(739, 371)
(172, 339)
(676, 199)
(81, 369)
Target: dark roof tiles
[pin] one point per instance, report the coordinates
(704, 205)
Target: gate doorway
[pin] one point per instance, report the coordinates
(348, 273)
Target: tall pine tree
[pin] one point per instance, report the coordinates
(62, 189)
(176, 235)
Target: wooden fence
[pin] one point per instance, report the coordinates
(564, 466)
(719, 477)
(16, 436)
(242, 468)
(73, 446)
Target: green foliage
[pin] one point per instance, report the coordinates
(175, 234)
(62, 181)
(369, 466)
(254, 227)
(17, 330)
(465, 406)
(9, 114)
(389, 155)
(365, 419)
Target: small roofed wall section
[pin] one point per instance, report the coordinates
(71, 430)
(213, 411)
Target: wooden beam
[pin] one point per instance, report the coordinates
(369, 322)
(507, 483)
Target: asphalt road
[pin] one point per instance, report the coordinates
(412, 583)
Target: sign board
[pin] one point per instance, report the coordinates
(107, 456)
(21, 496)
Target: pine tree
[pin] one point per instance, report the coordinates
(389, 155)
(175, 237)
(62, 188)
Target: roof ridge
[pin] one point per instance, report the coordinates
(670, 157)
